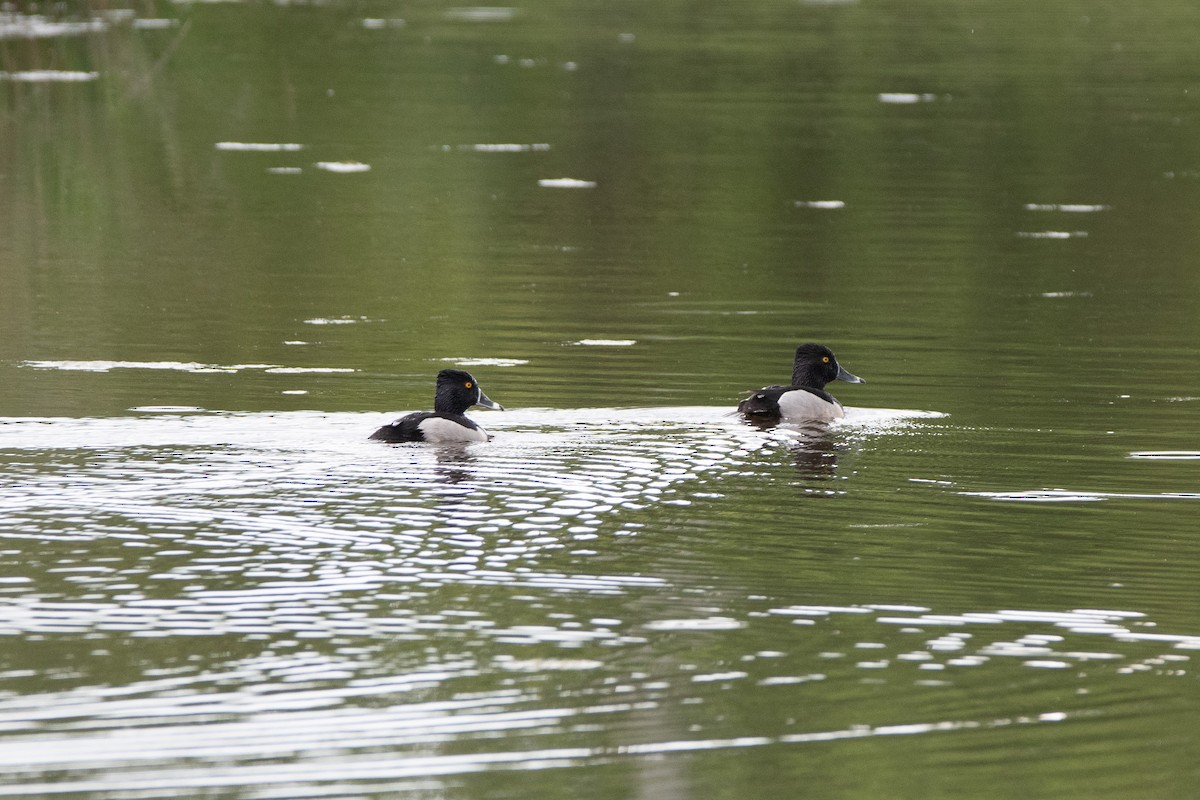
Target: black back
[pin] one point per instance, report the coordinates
(765, 402)
(408, 428)
(405, 429)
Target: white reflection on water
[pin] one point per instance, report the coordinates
(49, 76)
(1068, 496)
(486, 362)
(260, 147)
(481, 14)
(319, 580)
(1168, 455)
(502, 147)
(906, 98)
(1069, 208)
(1052, 234)
(294, 525)
(566, 183)
(175, 366)
(36, 26)
(359, 768)
(343, 167)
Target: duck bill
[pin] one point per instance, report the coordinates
(488, 402)
(847, 377)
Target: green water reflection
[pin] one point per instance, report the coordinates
(988, 210)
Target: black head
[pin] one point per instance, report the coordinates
(457, 391)
(816, 366)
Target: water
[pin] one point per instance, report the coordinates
(236, 238)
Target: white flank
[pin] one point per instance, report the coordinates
(800, 404)
(437, 429)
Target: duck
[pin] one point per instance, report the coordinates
(456, 392)
(806, 399)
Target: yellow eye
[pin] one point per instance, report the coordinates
(824, 359)
(469, 384)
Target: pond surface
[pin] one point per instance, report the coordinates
(235, 238)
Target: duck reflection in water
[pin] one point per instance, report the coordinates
(812, 445)
(454, 463)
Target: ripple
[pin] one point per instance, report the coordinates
(1067, 496)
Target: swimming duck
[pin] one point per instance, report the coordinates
(806, 398)
(456, 392)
